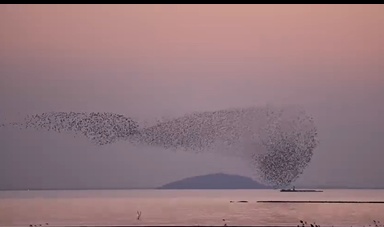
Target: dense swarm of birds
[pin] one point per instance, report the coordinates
(202, 131)
(100, 128)
(285, 148)
(277, 142)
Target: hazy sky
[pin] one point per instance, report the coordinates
(150, 61)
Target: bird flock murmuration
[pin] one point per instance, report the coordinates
(278, 143)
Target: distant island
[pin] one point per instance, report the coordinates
(215, 181)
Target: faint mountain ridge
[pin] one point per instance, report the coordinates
(215, 181)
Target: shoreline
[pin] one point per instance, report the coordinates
(311, 201)
(190, 225)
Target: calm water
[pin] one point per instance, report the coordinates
(185, 207)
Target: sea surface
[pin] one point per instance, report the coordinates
(186, 207)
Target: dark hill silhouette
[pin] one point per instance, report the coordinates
(215, 181)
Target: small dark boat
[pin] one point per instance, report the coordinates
(290, 190)
(294, 190)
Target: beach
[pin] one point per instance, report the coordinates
(190, 208)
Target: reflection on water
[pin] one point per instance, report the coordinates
(185, 207)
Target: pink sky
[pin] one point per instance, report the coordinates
(160, 35)
(154, 60)
(271, 46)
